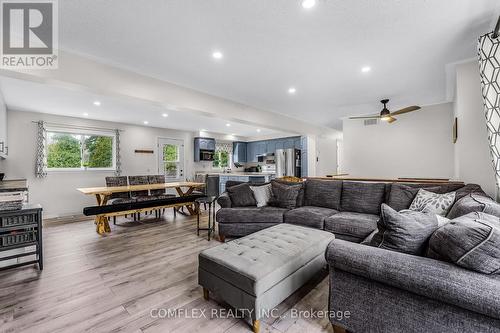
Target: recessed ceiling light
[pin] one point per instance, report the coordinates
(308, 4)
(164, 115)
(232, 134)
(366, 69)
(258, 130)
(146, 122)
(292, 90)
(228, 125)
(85, 114)
(97, 103)
(217, 55)
(203, 130)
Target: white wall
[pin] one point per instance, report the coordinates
(326, 152)
(418, 144)
(472, 157)
(57, 192)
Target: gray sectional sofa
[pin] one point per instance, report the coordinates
(350, 210)
(383, 290)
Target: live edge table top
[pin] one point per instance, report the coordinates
(118, 189)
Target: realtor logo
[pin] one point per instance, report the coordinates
(29, 34)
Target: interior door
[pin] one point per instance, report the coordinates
(171, 159)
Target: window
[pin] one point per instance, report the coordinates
(68, 150)
(171, 160)
(223, 155)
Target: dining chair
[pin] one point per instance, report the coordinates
(139, 195)
(119, 197)
(161, 193)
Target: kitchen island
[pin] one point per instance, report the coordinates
(252, 177)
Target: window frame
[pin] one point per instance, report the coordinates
(81, 132)
(229, 159)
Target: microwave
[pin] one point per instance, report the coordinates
(206, 155)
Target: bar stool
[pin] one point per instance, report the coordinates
(210, 201)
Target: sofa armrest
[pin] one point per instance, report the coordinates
(427, 277)
(224, 200)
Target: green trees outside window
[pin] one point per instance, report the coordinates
(77, 151)
(171, 160)
(221, 159)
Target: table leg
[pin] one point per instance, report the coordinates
(182, 194)
(101, 222)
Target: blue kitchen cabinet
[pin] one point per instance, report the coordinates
(280, 144)
(251, 152)
(270, 146)
(261, 148)
(289, 143)
(297, 143)
(239, 152)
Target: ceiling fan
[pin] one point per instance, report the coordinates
(387, 115)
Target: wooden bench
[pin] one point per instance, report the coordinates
(107, 211)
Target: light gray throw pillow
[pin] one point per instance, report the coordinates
(262, 194)
(406, 231)
(471, 241)
(429, 202)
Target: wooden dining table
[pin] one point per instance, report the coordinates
(103, 194)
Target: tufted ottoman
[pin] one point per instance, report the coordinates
(257, 272)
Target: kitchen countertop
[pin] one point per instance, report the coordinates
(13, 185)
(242, 174)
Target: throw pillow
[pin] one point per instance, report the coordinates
(471, 241)
(262, 194)
(406, 231)
(474, 203)
(429, 202)
(284, 196)
(401, 196)
(241, 195)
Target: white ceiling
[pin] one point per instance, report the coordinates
(31, 96)
(269, 46)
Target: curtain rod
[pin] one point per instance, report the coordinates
(497, 29)
(80, 127)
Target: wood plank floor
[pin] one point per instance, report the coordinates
(110, 284)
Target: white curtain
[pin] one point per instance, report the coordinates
(489, 66)
(41, 159)
(118, 170)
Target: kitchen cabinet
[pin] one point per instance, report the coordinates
(3, 131)
(269, 146)
(200, 144)
(239, 152)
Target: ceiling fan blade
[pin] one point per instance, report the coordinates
(406, 110)
(366, 117)
(390, 120)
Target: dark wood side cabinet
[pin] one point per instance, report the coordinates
(21, 237)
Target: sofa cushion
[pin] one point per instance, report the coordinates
(323, 193)
(284, 195)
(471, 241)
(435, 203)
(469, 189)
(401, 196)
(362, 197)
(309, 216)
(406, 231)
(351, 224)
(241, 196)
(259, 261)
(474, 203)
(251, 214)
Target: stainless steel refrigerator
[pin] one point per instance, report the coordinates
(288, 162)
